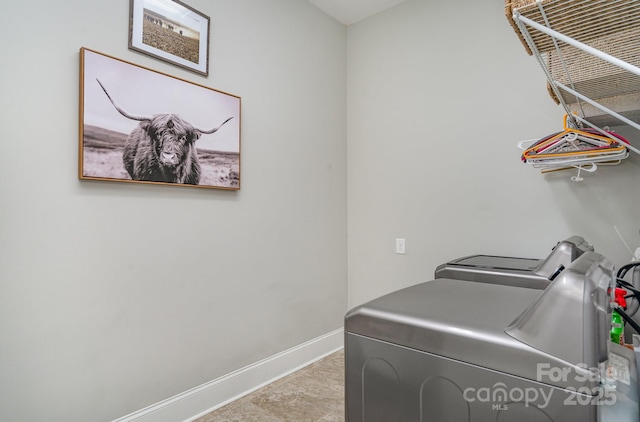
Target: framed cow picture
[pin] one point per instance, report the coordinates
(139, 125)
(172, 31)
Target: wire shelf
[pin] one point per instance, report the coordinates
(590, 53)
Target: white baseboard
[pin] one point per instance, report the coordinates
(201, 400)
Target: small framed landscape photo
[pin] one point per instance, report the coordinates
(142, 126)
(171, 31)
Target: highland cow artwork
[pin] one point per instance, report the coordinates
(172, 31)
(139, 125)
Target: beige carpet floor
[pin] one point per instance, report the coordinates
(313, 394)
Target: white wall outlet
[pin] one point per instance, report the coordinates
(400, 246)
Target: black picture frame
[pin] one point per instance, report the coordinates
(171, 31)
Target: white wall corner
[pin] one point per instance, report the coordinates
(199, 401)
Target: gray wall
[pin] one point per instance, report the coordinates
(439, 93)
(115, 296)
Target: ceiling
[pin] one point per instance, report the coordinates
(352, 11)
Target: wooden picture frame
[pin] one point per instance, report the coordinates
(140, 125)
(172, 31)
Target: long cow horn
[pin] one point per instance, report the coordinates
(124, 113)
(215, 129)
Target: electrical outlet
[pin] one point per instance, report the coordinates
(400, 246)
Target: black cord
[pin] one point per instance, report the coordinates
(628, 286)
(625, 268)
(622, 272)
(629, 320)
